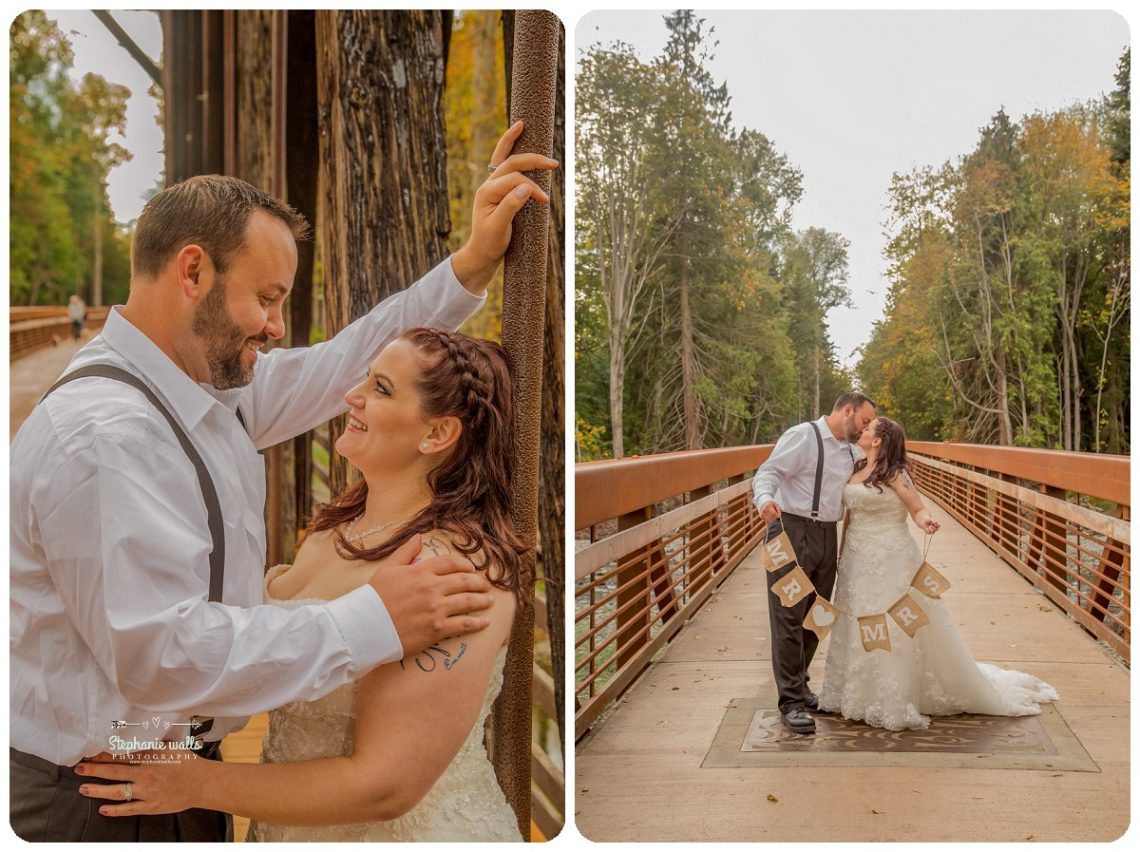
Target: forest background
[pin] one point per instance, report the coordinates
(701, 312)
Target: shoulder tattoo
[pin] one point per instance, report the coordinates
(435, 657)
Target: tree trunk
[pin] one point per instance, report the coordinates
(301, 191)
(815, 399)
(688, 362)
(256, 90)
(617, 393)
(533, 83)
(382, 161)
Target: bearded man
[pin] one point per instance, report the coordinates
(799, 490)
(137, 499)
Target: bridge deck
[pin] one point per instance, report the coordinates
(667, 763)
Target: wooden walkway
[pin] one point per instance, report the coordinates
(667, 764)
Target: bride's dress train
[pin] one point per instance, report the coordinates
(466, 803)
(932, 674)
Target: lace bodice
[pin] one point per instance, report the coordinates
(466, 803)
(932, 674)
(879, 553)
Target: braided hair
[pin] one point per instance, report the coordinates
(891, 460)
(471, 380)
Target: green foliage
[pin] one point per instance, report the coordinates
(706, 352)
(1010, 284)
(60, 157)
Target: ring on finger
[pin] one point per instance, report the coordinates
(128, 792)
(491, 167)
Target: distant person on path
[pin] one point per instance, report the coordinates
(799, 490)
(120, 612)
(77, 313)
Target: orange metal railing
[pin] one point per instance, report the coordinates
(30, 329)
(656, 535)
(1061, 519)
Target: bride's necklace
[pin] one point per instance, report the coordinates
(353, 538)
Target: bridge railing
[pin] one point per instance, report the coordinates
(655, 536)
(1061, 519)
(32, 328)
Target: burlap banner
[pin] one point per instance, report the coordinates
(822, 616)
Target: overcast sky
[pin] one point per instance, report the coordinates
(96, 51)
(850, 97)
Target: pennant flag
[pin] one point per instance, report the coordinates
(909, 615)
(928, 581)
(821, 617)
(778, 552)
(873, 632)
(793, 587)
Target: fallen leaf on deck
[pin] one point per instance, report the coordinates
(772, 798)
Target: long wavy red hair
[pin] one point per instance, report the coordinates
(469, 379)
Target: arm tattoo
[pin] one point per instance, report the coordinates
(427, 660)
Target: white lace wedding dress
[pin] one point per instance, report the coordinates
(466, 803)
(932, 674)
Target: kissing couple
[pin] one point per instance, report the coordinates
(851, 465)
(138, 547)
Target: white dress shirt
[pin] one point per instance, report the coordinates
(110, 545)
(788, 476)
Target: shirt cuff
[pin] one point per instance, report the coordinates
(761, 499)
(369, 635)
(456, 303)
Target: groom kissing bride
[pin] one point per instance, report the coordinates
(138, 543)
(851, 466)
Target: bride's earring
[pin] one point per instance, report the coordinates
(424, 447)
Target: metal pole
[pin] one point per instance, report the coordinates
(533, 86)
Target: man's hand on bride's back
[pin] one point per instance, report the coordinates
(431, 599)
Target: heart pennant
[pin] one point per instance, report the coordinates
(821, 617)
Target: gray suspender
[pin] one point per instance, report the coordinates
(818, 472)
(819, 469)
(209, 492)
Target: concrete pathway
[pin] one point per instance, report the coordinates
(640, 778)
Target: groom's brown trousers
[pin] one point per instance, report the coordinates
(793, 645)
(45, 805)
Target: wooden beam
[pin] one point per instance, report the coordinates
(137, 53)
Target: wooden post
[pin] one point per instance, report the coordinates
(1056, 546)
(533, 84)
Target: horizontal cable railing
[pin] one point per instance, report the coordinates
(656, 535)
(1061, 519)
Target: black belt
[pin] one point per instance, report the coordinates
(802, 519)
(210, 751)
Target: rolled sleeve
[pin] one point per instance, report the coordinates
(780, 463)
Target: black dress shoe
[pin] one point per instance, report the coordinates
(812, 702)
(798, 720)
